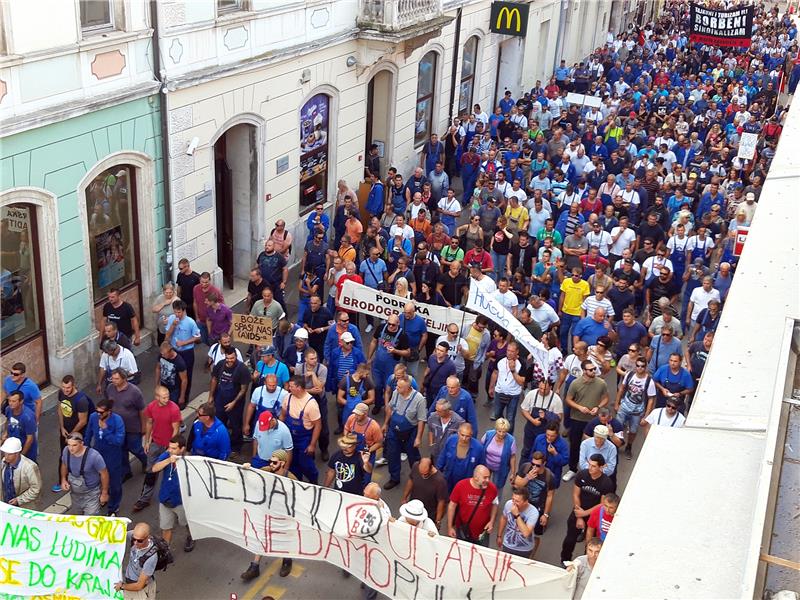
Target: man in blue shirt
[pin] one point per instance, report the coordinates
(415, 328)
(183, 333)
(673, 381)
(170, 507)
(21, 424)
(661, 347)
(507, 102)
(589, 329)
(211, 437)
(373, 270)
(18, 382)
(460, 400)
(376, 194)
(318, 218)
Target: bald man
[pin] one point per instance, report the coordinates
(474, 496)
(140, 583)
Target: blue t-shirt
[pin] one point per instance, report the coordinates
(664, 376)
(29, 389)
(186, 329)
(170, 491)
(414, 328)
(629, 335)
(21, 426)
(280, 370)
(91, 470)
(272, 439)
(588, 330)
(661, 351)
(373, 272)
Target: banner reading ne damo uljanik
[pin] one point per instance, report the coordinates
(276, 516)
(719, 27)
(63, 557)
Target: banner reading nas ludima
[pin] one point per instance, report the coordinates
(276, 516)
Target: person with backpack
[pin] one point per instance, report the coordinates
(143, 561)
(636, 396)
(170, 502)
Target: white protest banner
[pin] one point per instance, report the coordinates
(747, 146)
(275, 516)
(370, 301)
(487, 304)
(48, 556)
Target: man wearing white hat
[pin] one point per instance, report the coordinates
(294, 356)
(413, 512)
(21, 481)
(599, 444)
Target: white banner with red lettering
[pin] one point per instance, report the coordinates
(276, 516)
(367, 300)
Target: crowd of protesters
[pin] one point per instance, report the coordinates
(608, 228)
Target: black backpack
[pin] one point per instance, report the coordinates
(161, 548)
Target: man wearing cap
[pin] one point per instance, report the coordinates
(335, 338)
(599, 444)
(229, 382)
(270, 434)
(294, 355)
(402, 428)
(266, 398)
(268, 364)
(20, 477)
(301, 414)
(347, 467)
(342, 361)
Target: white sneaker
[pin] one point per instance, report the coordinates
(568, 476)
(381, 462)
(369, 328)
(182, 428)
(403, 457)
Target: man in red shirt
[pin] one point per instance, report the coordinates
(473, 508)
(479, 255)
(601, 517)
(200, 293)
(163, 422)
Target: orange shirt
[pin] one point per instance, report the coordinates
(354, 229)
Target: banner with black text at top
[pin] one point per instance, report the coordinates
(718, 27)
(509, 18)
(272, 515)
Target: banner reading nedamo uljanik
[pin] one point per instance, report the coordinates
(370, 301)
(718, 27)
(276, 516)
(47, 556)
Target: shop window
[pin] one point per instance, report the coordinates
(224, 6)
(20, 295)
(110, 206)
(468, 60)
(314, 128)
(426, 83)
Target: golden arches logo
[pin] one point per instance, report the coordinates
(510, 13)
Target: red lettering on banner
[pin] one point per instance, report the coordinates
(248, 523)
(333, 542)
(508, 567)
(482, 556)
(392, 539)
(372, 553)
(300, 541)
(434, 567)
(454, 554)
(272, 533)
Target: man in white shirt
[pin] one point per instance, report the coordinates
(505, 296)
(699, 300)
(653, 265)
(622, 238)
(485, 283)
(668, 416)
(505, 387)
(401, 227)
(541, 312)
(599, 237)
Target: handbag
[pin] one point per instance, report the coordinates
(463, 531)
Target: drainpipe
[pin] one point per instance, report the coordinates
(456, 44)
(562, 27)
(160, 76)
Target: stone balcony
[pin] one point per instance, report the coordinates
(401, 20)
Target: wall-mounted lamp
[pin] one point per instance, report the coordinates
(192, 146)
(351, 61)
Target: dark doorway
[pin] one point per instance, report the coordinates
(223, 182)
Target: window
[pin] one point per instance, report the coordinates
(468, 60)
(224, 6)
(314, 127)
(110, 200)
(426, 82)
(19, 274)
(96, 15)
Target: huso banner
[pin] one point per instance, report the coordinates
(367, 300)
(47, 556)
(275, 516)
(718, 27)
(490, 306)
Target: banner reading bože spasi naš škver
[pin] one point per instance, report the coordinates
(720, 27)
(276, 516)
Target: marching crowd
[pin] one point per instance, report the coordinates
(607, 228)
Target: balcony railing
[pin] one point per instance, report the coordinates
(396, 15)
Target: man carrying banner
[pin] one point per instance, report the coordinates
(170, 502)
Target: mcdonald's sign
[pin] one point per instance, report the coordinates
(509, 18)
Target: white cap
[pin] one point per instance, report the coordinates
(301, 333)
(348, 337)
(12, 445)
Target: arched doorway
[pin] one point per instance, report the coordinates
(237, 208)
(380, 116)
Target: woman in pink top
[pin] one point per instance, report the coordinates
(281, 238)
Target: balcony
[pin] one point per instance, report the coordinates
(401, 20)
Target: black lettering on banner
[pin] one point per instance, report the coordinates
(402, 574)
(247, 475)
(188, 479)
(279, 489)
(215, 479)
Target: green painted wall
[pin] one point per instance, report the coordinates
(56, 157)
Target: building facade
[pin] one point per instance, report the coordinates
(81, 188)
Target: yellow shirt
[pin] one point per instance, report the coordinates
(516, 216)
(574, 293)
(473, 340)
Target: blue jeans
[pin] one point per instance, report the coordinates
(203, 333)
(506, 405)
(132, 444)
(567, 322)
(498, 265)
(395, 444)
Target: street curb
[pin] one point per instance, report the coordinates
(64, 503)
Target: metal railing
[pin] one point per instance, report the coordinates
(395, 15)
